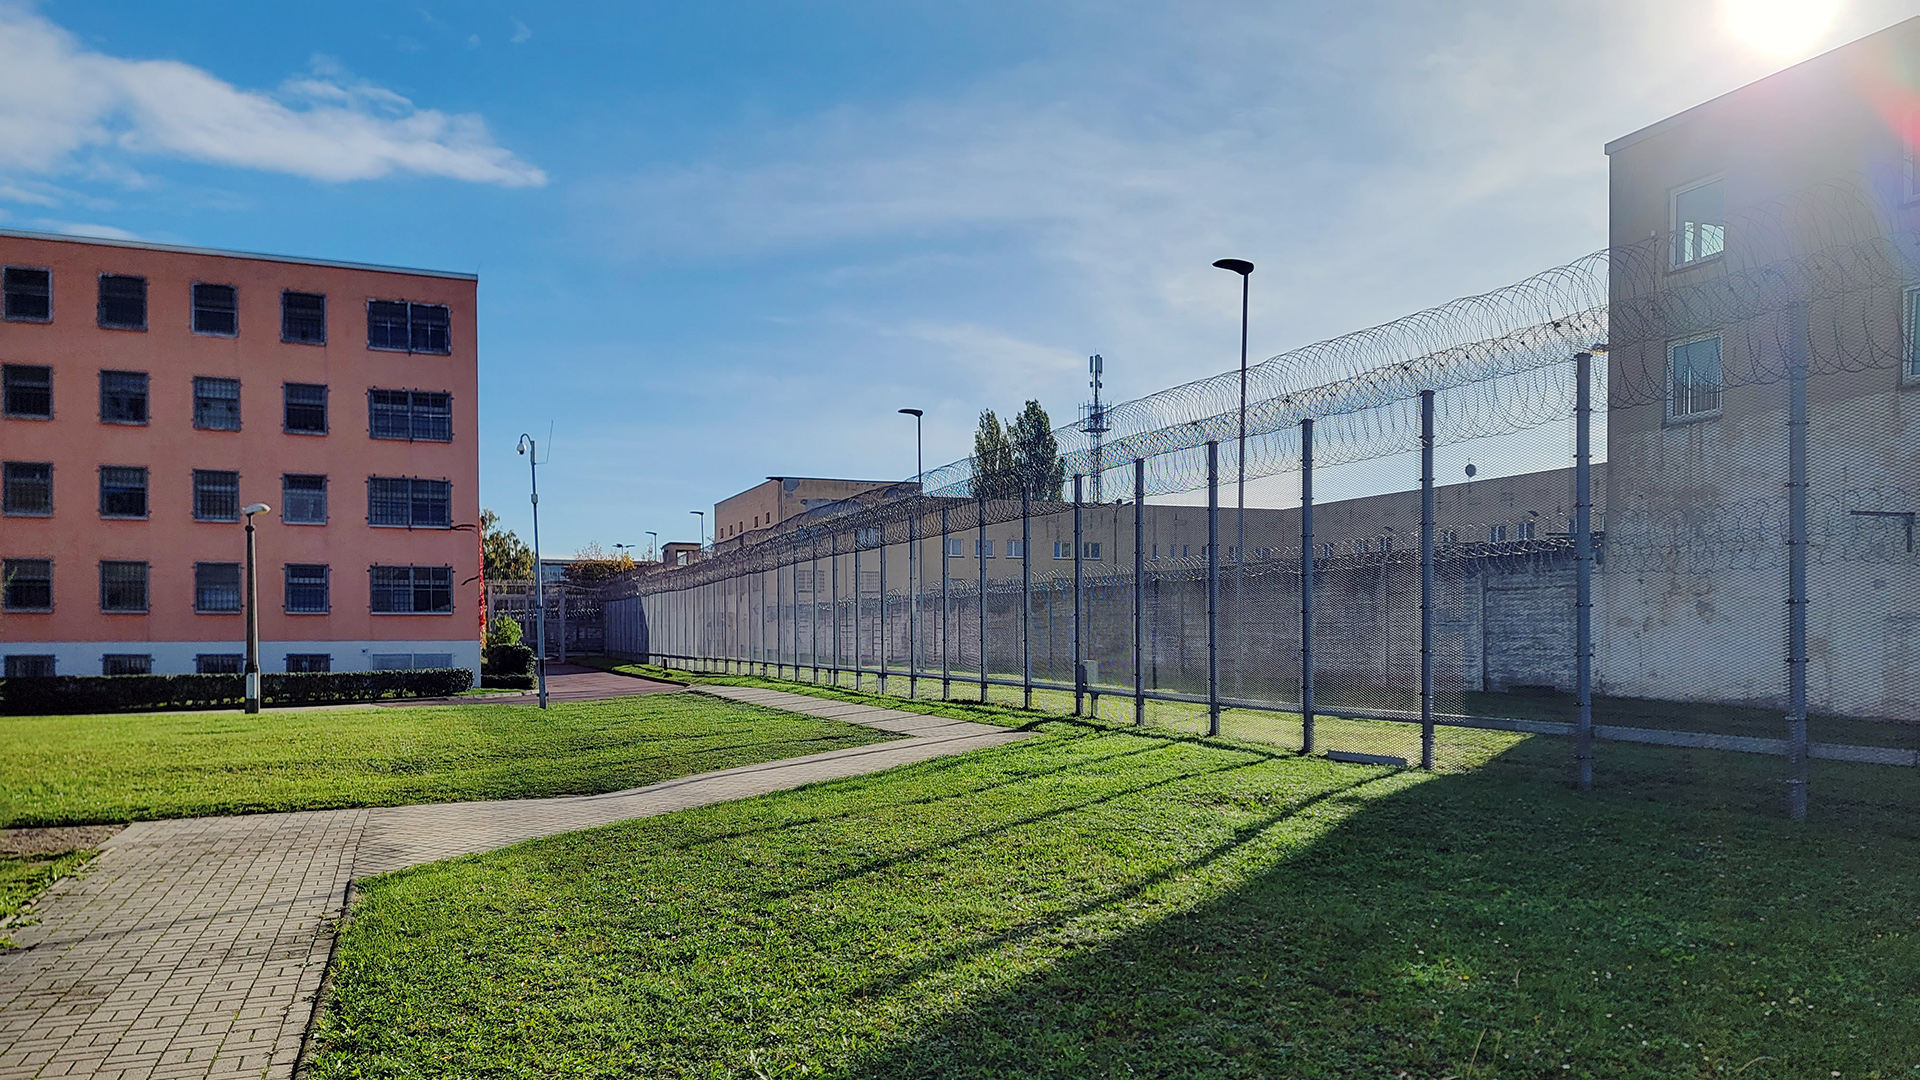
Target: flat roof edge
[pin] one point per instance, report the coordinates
(145, 245)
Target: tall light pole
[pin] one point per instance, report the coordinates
(1245, 270)
(253, 612)
(653, 546)
(913, 563)
(529, 448)
(702, 537)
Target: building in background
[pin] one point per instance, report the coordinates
(152, 391)
(748, 517)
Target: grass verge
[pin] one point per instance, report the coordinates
(1106, 901)
(23, 877)
(71, 770)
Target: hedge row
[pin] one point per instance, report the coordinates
(59, 694)
(507, 660)
(506, 682)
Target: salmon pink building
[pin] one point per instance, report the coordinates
(151, 392)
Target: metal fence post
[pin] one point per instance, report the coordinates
(913, 605)
(1026, 597)
(1306, 586)
(813, 610)
(779, 625)
(1079, 661)
(1139, 587)
(946, 612)
(1797, 345)
(1213, 587)
(980, 557)
(1426, 579)
(833, 573)
(1583, 569)
(859, 643)
(886, 615)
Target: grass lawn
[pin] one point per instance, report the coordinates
(1101, 901)
(70, 770)
(23, 877)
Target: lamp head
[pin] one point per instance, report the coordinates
(915, 413)
(525, 441)
(1238, 266)
(256, 508)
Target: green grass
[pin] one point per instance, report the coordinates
(73, 770)
(1100, 901)
(23, 877)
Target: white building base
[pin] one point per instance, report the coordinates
(179, 657)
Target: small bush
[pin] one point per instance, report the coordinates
(64, 694)
(506, 682)
(508, 660)
(504, 630)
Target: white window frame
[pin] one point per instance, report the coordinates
(1910, 334)
(1674, 262)
(1674, 416)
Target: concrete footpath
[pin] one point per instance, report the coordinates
(195, 948)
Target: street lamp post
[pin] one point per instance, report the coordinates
(253, 612)
(913, 562)
(653, 546)
(1245, 270)
(702, 532)
(529, 448)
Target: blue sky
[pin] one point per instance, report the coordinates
(722, 241)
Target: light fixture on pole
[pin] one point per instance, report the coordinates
(702, 532)
(913, 563)
(653, 546)
(253, 612)
(1245, 270)
(532, 451)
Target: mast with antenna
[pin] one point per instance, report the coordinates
(1093, 419)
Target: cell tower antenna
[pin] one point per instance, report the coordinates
(1093, 419)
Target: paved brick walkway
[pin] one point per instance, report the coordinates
(195, 948)
(565, 682)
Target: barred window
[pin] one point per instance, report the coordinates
(303, 499)
(29, 667)
(307, 592)
(408, 327)
(1497, 533)
(1526, 530)
(216, 495)
(216, 588)
(300, 661)
(306, 408)
(412, 590)
(409, 502)
(123, 397)
(123, 302)
(29, 488)
(28, 391)
(219, 663)
(1693, 373)
(27, 584)
(303, 318)
(29, 292)
(216, 404)
(215, 310)
(123, 586)
(123, 491)
(414, 415)
(126, 664)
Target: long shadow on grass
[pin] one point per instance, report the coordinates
(1474, 925)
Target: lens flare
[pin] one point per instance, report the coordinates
(1780, 27)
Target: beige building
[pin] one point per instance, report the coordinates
(749, 517)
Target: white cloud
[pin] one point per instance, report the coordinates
(58, 99)
(82, 228)
(521, 33)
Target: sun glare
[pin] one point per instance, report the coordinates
(1780, 27)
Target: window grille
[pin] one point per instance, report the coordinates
(309, 662)
(303, 499)
(303, 318)
(123, 586)
(1693, 372)
(216, 404)
(215, 310)
(216, 495)
(409, 502)
(306, 408)
(29, 488)
(307, 592)
(414, 415)
(126, 664)
(216, 587)
(411, 590)
(123, 491)
(28, 391)
(123, 397)
(408, 327)
(218, 663)
(29, 292)
(123, 302)
(29, 667)
(28, 584)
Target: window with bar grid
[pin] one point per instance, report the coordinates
(408, 327)
(28, 391)
(307, 592)
(303, 318)
(123, 491)
(29, 666)
(414, 415)
(303, 499)
(123, 302)
(123, 397)
(216, 588)
(216, 310)
(306, 408)
(29, 294)
(29, 488)
(409, 502)
(411, 590)
(298, 662)
(27, 584)
(123, 586)
(126, 664)
(216, 495)
(219, 663)
(216, 404)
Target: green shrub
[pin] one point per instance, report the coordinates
(508, 660)
(60, 694)
(504, 630)
(506, 682)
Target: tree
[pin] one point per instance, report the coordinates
(503, 556)
(592, 563)
(1036, 453)
(993, 468)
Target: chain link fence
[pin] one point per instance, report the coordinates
(1635, 524)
